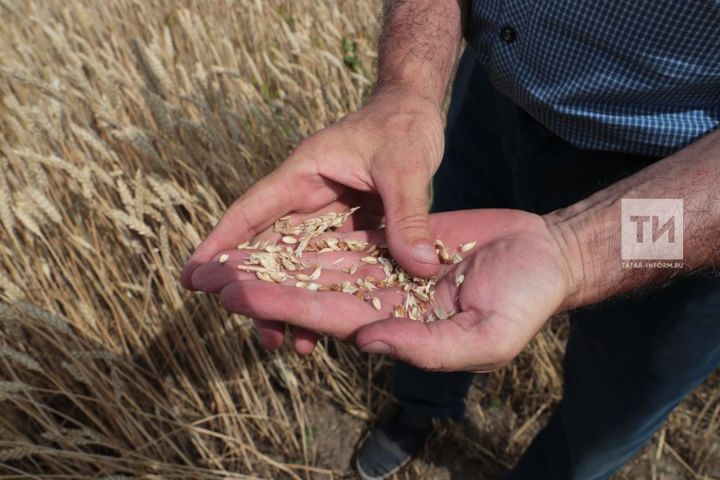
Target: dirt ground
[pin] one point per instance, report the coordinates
(472, 449)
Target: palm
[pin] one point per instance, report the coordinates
(512, 284)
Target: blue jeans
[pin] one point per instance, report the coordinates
(628, 361)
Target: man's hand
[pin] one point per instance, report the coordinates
(514, 280)
(390, 148)
(381, 157)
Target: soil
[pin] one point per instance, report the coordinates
(471, 449)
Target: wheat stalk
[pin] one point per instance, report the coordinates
(138, 148)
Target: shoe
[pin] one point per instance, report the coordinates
(391, 445)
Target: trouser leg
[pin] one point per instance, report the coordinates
(628, 363)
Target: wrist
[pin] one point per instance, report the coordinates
(406, 96)
(410, 90)
(408, 116)
(572, 259)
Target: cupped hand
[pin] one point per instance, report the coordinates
(381, 157)
(513, 280)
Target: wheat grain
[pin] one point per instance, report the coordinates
(466, 247)
(53, 320)
(8, 386)
(159, 112)
(94, 142)
(74, 436)
(275, 262)
(6, 215)
(28, 221)
(76, 373)
(165, 247)
(132, 223)
(33, 82)
(17, 453)
(44, 205)
(20, 358)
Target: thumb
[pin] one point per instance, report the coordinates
(407, 223)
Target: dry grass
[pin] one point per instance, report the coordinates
(125, 127)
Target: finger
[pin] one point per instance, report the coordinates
(267, 200)
(333, 313)
(270, 334)
(407, 223)
(460, 343)
(304, 341)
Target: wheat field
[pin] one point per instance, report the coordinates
(126, 126)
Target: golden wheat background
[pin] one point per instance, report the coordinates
(126, 126)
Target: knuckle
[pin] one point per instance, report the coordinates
(412, 221)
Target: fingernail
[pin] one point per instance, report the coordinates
(378, 347)
(425, 253)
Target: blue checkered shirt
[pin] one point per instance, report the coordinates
(635, 76)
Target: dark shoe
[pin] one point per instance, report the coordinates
(391, 445)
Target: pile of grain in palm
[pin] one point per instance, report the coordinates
(283, 263)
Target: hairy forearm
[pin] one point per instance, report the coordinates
(590, 231)
(418, 46)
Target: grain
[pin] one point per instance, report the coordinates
(8, 386)
(223, 258)
(43, 316)
(278, 262)
(17, 453)
(251, 268)
(466, 247)
(20, 358)
(440, 313)
(264, 276)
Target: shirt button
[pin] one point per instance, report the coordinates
(508, 34)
